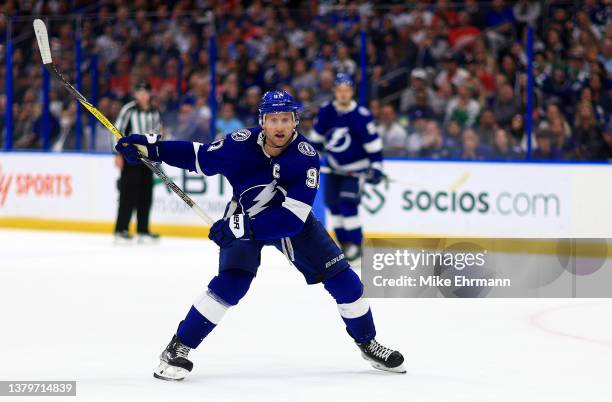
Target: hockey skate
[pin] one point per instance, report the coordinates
(147, 238)
(174, 365)
(122, 238)
(382, 358)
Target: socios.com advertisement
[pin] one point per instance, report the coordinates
(424, 198)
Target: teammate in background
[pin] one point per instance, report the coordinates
(274, 173)
(345, 133)
(136, 182)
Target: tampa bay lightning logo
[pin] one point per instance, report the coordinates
(258, 198)
(306, 149)
(241, 135)
(339, 140)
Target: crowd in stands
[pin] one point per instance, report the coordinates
(444, 80)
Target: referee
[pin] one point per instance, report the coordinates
(136, 182)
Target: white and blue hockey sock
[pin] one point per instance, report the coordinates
(224, 290)
(347, 289)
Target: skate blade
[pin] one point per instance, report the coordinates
(399, 369)
(169, 373)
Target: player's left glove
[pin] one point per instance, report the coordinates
(135, 146)
(226, 230)
(374, 175)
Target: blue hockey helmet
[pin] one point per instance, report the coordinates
(342, 78)
(277, 102)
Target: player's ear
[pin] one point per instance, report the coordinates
(296, 120)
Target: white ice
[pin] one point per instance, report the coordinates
(75, 307)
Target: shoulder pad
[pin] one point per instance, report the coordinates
(306, 148)
(241, 135)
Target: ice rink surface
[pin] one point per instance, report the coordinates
(75, 307)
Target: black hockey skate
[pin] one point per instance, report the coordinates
(381, 357)
(173, 365)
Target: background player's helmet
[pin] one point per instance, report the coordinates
(342, 78)
(277, 102)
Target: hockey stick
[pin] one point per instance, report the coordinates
(45, 53)
(357, 175)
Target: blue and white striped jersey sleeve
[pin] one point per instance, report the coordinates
(208, 159)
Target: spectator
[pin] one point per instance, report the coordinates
(249, 111)
(499, 21)
(451, 72)
(506, 105)
(67, 134)
(393, 135)
(305, 97)
(557, 89)
(191, 126)
(480, 78)
(30, 131)
(487, 125)
(471, 149)
(526, 12)
(418, 81)
(302, 77)
(462, 107)
(374, 107)
(545, 147)
(421, 108)
(504, 148)
(606, 57)
(343, 63)
(433, 143)
(566, 145)
(605, 151)
(587, 132)
(464, 34)
(325, 91)
(452, 139)
(227, 122)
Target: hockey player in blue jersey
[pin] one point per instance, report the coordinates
(274, 173)
(344, 132)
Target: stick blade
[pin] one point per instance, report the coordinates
(43, 40)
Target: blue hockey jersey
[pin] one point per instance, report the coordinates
(348, 138)
(276, 193)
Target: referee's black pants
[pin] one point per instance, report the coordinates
(135, 191)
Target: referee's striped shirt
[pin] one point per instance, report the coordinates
(134, 120)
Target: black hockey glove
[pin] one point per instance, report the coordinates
(226, 230)
(135, 146)
(374, 176)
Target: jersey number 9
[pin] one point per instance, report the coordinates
(312, 178)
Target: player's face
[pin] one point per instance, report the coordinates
(343, 94)
(278, 128)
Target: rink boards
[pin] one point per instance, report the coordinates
(423, 198)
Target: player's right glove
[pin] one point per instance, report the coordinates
(226, 230)
(374, 175)
(135, 146)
